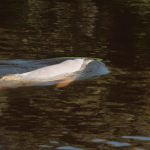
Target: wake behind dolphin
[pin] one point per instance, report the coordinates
(55, 71)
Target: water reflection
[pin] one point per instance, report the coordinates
(113, 143)
(61, 114)
(112, 108)
(67, 148)
(141, 138)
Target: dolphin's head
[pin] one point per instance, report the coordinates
(92, 68)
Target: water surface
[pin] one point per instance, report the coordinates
(111, 112)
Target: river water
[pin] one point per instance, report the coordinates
(112, 112)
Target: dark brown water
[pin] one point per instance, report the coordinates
(112, 112)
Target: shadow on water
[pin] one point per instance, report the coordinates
(110, 112)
